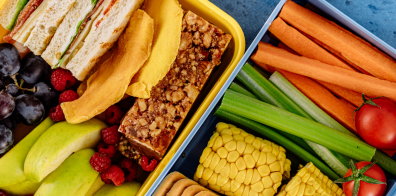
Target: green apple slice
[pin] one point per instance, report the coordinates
(129, 188)
(12, 163)
(95, 186)
(73, 177)
(59, 142)
(23, 188)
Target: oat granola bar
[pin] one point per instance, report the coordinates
(150, 125)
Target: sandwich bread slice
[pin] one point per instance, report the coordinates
(74, 28)
(9, 13)
(105, 30)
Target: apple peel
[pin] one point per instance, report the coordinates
(168, 16)
(108, 84)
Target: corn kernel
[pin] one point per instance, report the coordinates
(228, 193)
(270, 158)
(269, 192)
(256, 155)
(282, 149)
(275, 149)
(244, 134)
(206, 163)
(294, 191)
(258, 186)
(235, 131)
(195, 178)
(317, 183)
(334, 188)
(232, 126)
(249, 149)
(281, 156)
(339, 192)
(276, 185)
(249, 175)
(301, 190)
(241, 145)
(249, 160)
(221, 180)
(235, 185)
(227, 138)
(220, 166)
(205, 154)
(262, 159)
(302, 172)
(264, 170)
(213, 179)
(241, 176)
(207, 174)
(267, 148)
(256, 176)
(226, 186)
(226, 170)
(252, 192)
(320, 176)
(325, 179)
(215, 187)
(257, 144)
(293, 183)
(267, 182)
(239, 191)
(233, 156)
(212, 139)
(220, 126)
(233, 170)
(240, 163)
(217, 144)
(311, 179)
(222, 152)
(215, 162)
(246, 191)
(231, 146)
(249, 139)
(203, 182)
(226, 132)
(275, 166)
(309, 190)
(199, 171)
(276, 177)
(305, 177)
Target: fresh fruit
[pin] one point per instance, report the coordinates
(113, 115)
(148, 165)
(12, 89)
(7, 105)
(62, 79)
(73, 177)
(113, 175)
(2, 82)
(56, 114)
(309, 181)
(363, 178)
(12, 163)
(242, 162)
(100, 162)
(46, 94)
(9, 122)
(376, 122)
(29, 110)
(111, 135)
(33, 69)
(10, 61)
(57, 143)
(3, 193)
(6, 139)
(95, 186)
(23, 188)
(107, 149)
(129, 188)
(67, 96)
(129, 168)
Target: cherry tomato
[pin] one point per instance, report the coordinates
(377, 124)
(366, 189)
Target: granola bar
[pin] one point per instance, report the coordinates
(150, 125)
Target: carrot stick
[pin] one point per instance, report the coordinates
(351, 96)
(339, 110)
(287, 48)
(303, 45)
(279, 58)
(354, 50)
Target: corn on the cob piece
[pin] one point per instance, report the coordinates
(237, 163)
(310, 181)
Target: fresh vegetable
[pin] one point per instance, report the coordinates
(374, 87)
(351, 96)
(310, 181)
(237, 88)
(276, 137)
(363, 178)
(237, 161)
(263, 88)
(302, 127)
(376, 122)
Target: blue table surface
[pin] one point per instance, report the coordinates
(377, 16)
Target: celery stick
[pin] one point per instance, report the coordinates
(265, 90)
(279, 139)
(319, 115)
(283, 120)
(236, 87)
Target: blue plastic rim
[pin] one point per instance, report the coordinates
(207, 122)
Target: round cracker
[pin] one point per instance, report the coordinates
(193, 189)
(178, 188)
(168, 182)
(206, 193)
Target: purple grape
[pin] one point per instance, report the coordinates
(6, 139)
(34, 68)
(7, 105)
(9, 122)
(47, 94)
(10, 61)
(29, 110)
(12, 89)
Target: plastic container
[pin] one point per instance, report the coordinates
(187, 157)
(230, 59)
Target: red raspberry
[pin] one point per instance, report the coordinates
(67, 96)
(108, 149)
(3, 193)
(113, 115)
(129, 168)
(100, 161)
(144, 162)
(56, 114)
(110, 135)
(62, 79)
(114, 175)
